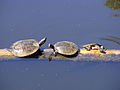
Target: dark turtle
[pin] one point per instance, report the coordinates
(27, 47)
(65, 48)
(94, 46)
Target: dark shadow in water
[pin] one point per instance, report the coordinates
(35, 55)
(40, 54)
(51, 56)
(103, 52)
(112, 39)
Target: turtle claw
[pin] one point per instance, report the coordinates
(55, 54)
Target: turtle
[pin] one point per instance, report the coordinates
(23, 48)
(65, 48)
(94, 46)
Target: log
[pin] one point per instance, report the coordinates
(92, 52)
(5, 52)
(82, 51)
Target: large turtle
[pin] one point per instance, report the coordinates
(27, 47)
(65, 48)
(94, 46)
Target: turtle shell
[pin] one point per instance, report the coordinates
(93, 46)
(24, 48)
(66, 48)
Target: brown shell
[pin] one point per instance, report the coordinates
(66, 48)
(25, 47)
(92, 46)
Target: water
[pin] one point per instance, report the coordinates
(80, 21)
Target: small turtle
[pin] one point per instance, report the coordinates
(27, 47)
(66, 48)
(94, 46)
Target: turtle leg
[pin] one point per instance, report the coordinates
(55, 53)
(50, 57)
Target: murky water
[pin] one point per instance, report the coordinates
(80, 21)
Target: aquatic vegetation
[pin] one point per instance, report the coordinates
(113, 4)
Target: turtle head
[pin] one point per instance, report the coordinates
(51, 46)
(42, 41)
(102, 48)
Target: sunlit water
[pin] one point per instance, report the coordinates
(80, 21)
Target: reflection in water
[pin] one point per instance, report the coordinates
(116, 15)
(113, 39)
(113, 4)
(90, 58)
(105, 57)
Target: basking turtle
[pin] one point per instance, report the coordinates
(65, 48)
(94, 46)
(27, 47)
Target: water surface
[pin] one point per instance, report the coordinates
(80, 21)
